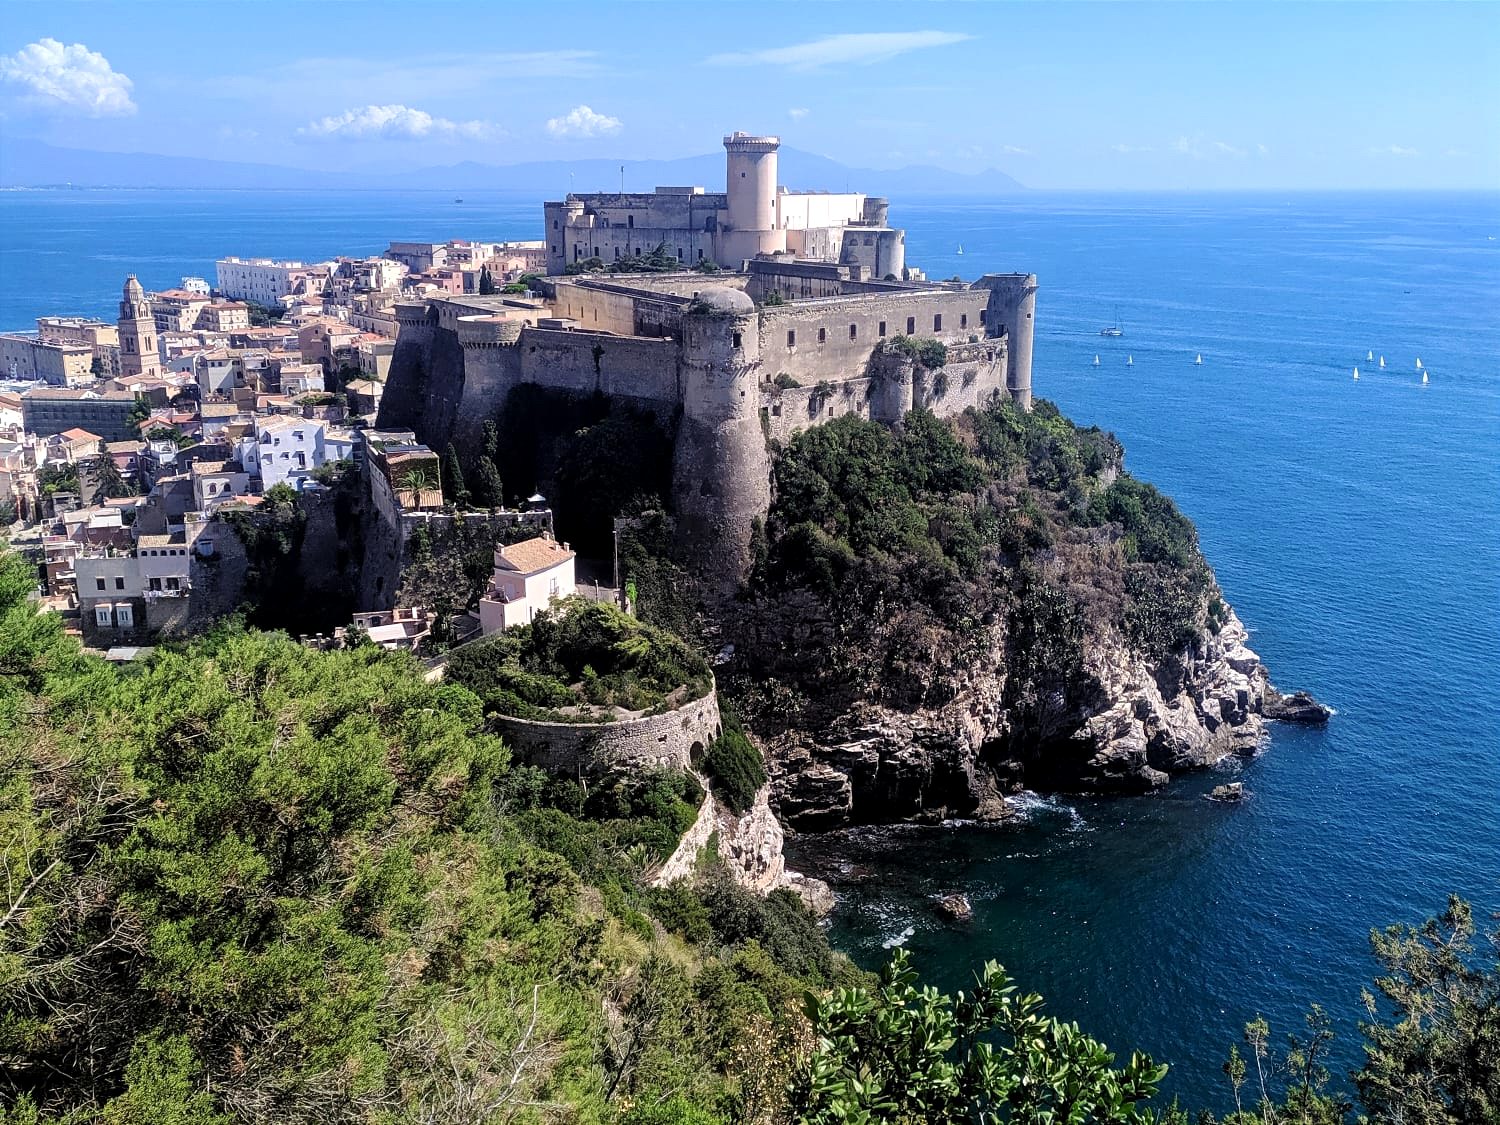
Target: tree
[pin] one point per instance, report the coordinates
(1436, 1060)
(908, 1055)
(453, 478)
(108, 480)
(96, 367)
(486, 282)
(140, 410)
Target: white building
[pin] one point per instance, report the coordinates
(163, 564)
(528, 577)
(266, 281)
(285, 449)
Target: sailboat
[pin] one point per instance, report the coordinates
(1198, 362)
(1130, 361)
(1096, 361)
(1370, 357)
(1382, 363)
(1356, 374)
(1424, 378)
(960, 248)
(1419, 363)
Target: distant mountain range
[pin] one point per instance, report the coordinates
(27, 163)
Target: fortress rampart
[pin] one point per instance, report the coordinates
(723, 372)
(674, 738)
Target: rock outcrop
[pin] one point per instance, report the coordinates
(1132, 725)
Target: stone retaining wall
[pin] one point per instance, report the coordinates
(675, 738)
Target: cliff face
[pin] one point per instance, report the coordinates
(1132, 726)
(948, 613)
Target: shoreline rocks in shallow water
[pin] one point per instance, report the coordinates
(1299, 707)
(955, 906)
(1230, 793)
(1132, 725)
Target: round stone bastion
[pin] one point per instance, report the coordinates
(675, 738)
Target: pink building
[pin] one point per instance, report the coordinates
(528, 577)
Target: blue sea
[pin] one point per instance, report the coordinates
(1355, 526)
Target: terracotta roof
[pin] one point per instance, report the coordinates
(123, 446)
(534, 555)
(76, 434)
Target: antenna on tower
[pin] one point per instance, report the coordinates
(622, 179)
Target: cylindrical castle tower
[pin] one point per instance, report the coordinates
(1012, 313)
(750, 183)
(721, 473)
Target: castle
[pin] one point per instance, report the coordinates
(817, 316)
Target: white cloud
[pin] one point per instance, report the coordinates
(1016, 150)
(862, 47)
(1262, 150)
(797, 113)
(581, 121)
(1131, 148)
(68, 77)
(394, 122)
(1200, 149)
(1394, 150)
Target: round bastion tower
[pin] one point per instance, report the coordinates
(721, 472)
(750, 183)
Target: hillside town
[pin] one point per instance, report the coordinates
(125, 446)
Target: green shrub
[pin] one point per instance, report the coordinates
(735, 766)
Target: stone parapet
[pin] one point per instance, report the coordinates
(674, 739)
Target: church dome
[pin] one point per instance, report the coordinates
(722, 299)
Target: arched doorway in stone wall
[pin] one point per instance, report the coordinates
(695, 755)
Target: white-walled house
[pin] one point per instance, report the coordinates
(528, 577)
(284, 449)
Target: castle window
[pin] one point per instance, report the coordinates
(791, 337)
(963, 320)
(853, 331)
(937, 323)
(679, 253)
(822, 335)
(736, 339)
(700, 254)
(911, 326)
(100, 582)
(882, 328)
(981, 315)
(554, 224)
(630, 221)
(119, 583)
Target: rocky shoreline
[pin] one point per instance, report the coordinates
(1135, 726)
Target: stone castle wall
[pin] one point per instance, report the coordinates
(675, 739)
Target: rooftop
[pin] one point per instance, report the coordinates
(533, 555)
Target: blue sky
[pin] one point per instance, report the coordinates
(1099, 95)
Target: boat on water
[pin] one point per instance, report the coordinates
(1198, 362)
(1130, 361)
(1113, 329)
(1369, 357)
(1424, 378)
(1356, 374)
(960, 248)
(1096, 361)
(1382, 363)
(1419, 363)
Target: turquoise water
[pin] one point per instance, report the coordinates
(1355, 527)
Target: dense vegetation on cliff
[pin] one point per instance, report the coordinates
(248, 882)
(585, 658)
(906, 548)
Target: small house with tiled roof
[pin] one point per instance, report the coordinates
(529, 576)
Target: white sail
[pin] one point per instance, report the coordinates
(1382, 363)
(1198, 362)
(1130, 361)
(1370, 356)
(1356, 374)
(1424, 377)
(1419, 363)
(1096, 361)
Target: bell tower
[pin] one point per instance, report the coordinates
(138, 353)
